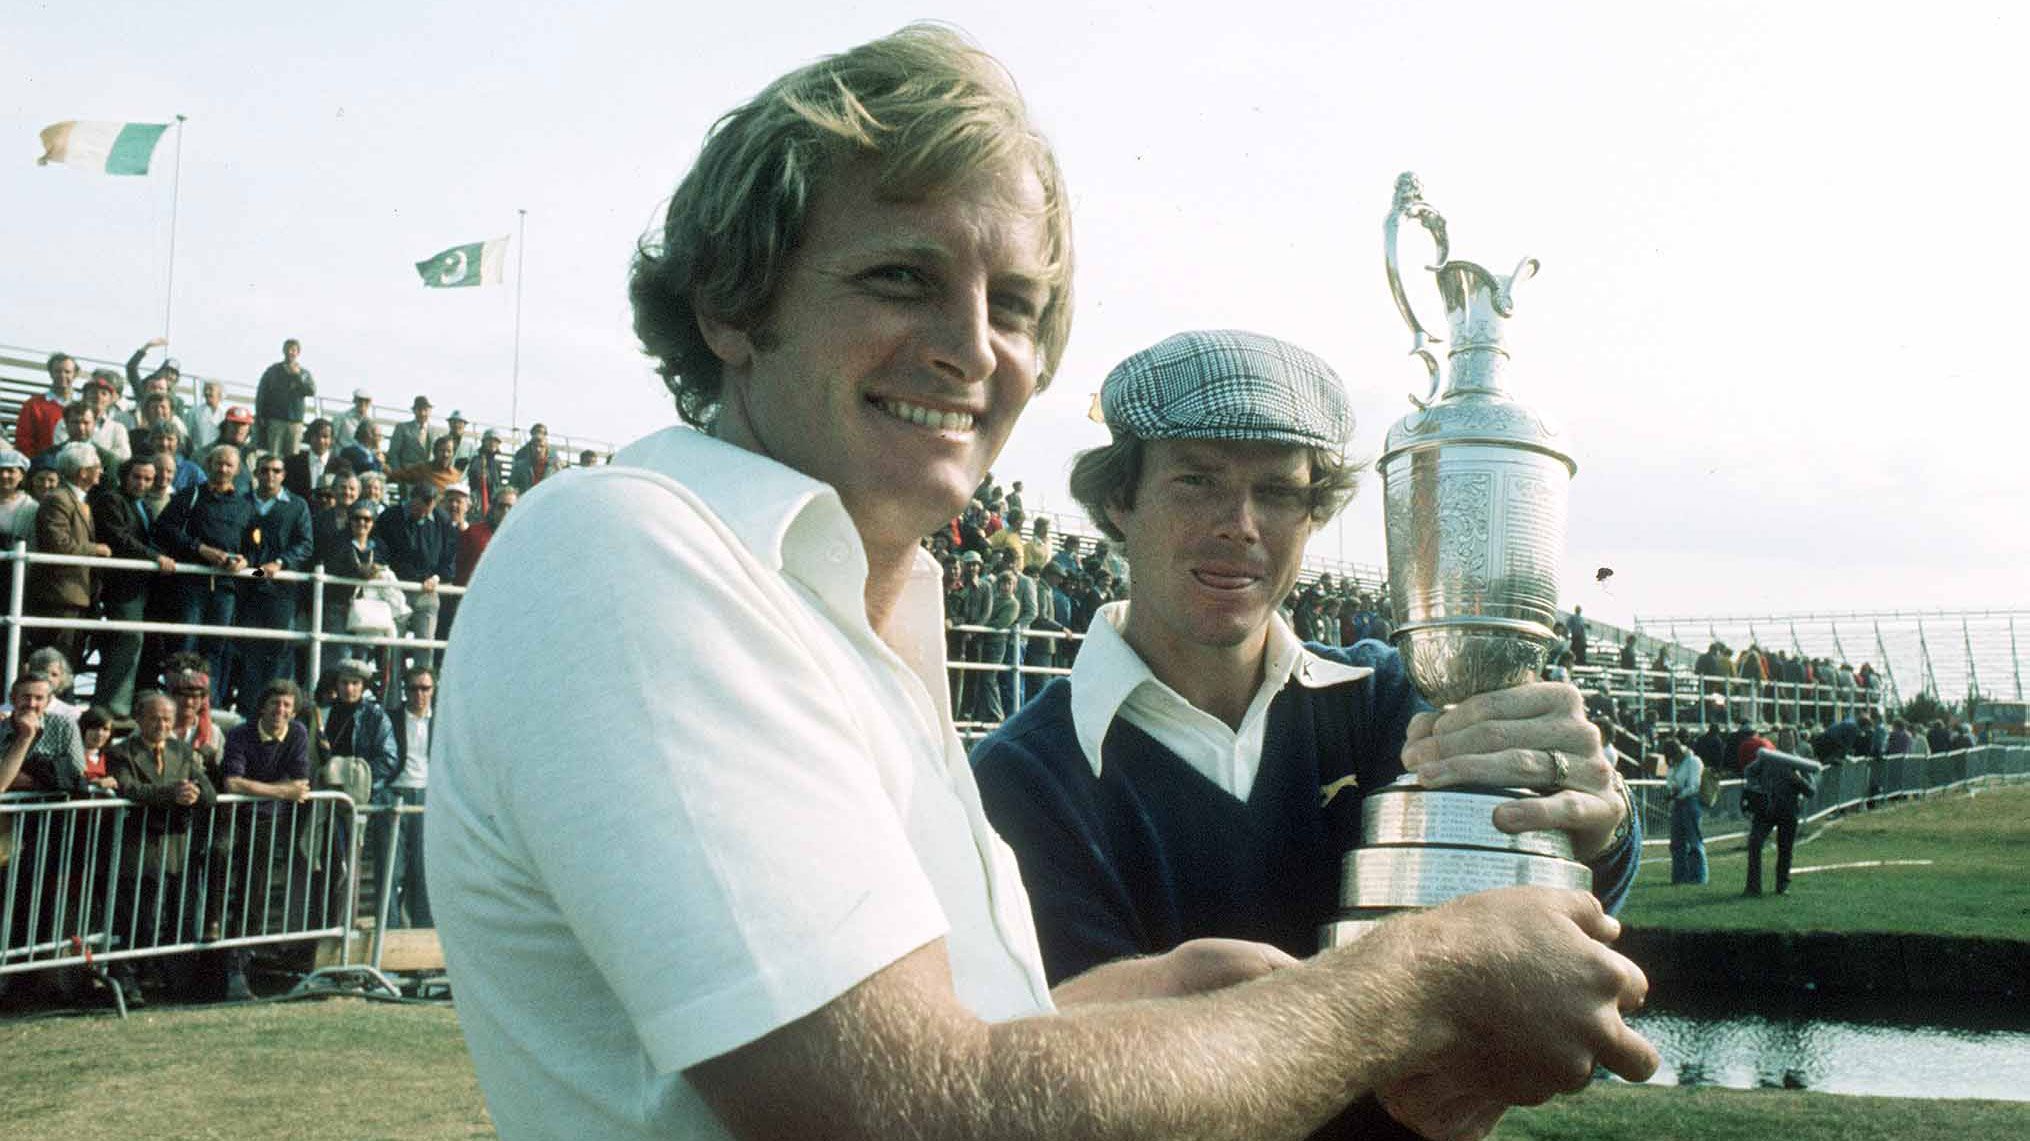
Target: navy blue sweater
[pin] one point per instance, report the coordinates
(1150, 854)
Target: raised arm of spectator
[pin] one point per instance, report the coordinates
(134, 364)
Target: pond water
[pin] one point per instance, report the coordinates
(1897, 1047)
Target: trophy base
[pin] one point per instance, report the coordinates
(1421, 847)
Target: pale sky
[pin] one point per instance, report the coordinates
(1775, 237)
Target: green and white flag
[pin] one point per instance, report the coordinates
(115, 148)
(481, 263)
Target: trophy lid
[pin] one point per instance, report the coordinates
(1474, 408)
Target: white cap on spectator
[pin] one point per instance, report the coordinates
(361, 394)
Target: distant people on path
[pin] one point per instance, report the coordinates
(1688, 843)
(1775, 785)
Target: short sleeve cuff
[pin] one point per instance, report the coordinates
(796, 981)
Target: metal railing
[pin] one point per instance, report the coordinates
(98, 880)
(94, 882)
(17, 618)
(1681, 696)
(1843, 786)
(1674, 697)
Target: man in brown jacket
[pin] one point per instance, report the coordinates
(63, 526)
(164, 778)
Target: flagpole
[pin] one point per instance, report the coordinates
(521, 260)
(175, 193)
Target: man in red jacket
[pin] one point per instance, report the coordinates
(35, 428)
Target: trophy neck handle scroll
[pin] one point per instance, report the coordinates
(1409, 203)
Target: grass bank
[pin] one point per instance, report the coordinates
(1956, 865)
(340, 1068)
(345, 1068)
(1611, 1112)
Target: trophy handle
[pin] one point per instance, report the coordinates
(1430, 362)
(1409, 203)
(1504, 293)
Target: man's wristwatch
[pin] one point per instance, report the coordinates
(1627, 825)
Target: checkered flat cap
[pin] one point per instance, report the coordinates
(1225, 384)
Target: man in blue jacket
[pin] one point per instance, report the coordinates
(1171, 788)
(207, 524)
(277, 539)
(422, 547)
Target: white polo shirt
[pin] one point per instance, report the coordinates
(682, 794)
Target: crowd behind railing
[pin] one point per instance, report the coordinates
(237, 585)
(186, 833)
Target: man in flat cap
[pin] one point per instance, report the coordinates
(1170, 789)
(724, 872)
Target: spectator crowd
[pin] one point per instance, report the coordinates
(131, 471)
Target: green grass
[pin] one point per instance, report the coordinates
(344, 1068)
(1646, 1113)
(352, 1069)
(340, 1068)
(1976, 885)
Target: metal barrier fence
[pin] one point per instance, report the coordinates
(1843, 785)
(92, 883)
(101, 880)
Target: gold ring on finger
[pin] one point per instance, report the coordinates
(1560, 768)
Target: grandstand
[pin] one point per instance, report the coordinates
(1951, 654)
(23, 374)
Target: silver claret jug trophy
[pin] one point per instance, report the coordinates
(1474, 486)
